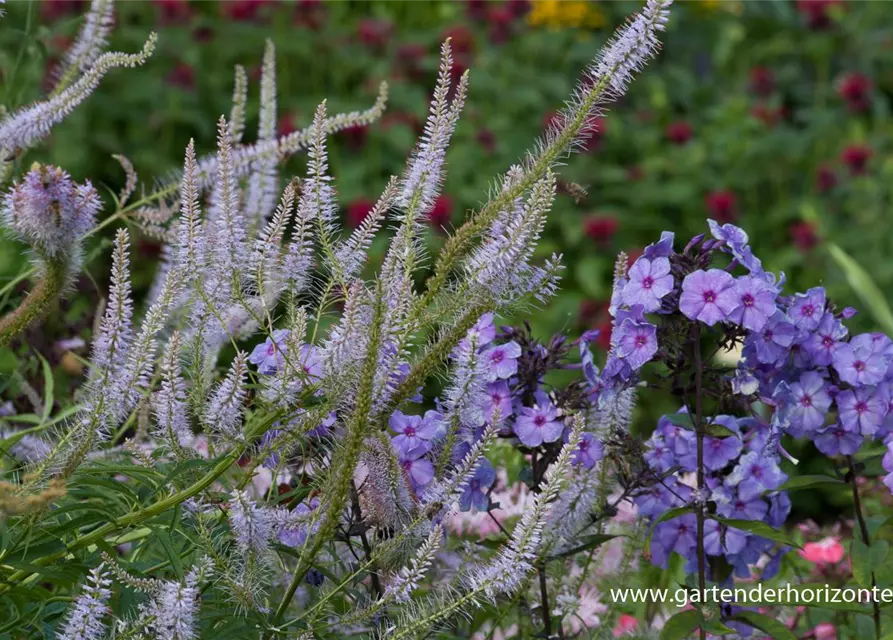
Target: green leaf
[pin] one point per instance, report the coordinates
(164, 537)
(806, 482)
(684, 420)
(865, 287)
(588, 542)
(757, 528)
(717, 628)
(867, 558)
(767, 625)
(716, 430)
(48, 387)
(681, 626)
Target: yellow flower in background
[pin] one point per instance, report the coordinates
(564, 14)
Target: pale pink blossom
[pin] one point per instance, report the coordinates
(824, 552)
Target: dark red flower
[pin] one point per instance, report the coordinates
(856, 157)
(601, 228)
(476, 9)
(855, 89)
(762, 81)
(286, 124)
(816, 12)
(825, 179)
(203, 34)
(409, 57)
(182, 76)
(245, 10)
(679, 132)
(173, 11)
(310, 14)
(374, 33)
(722, 205)
(355, 136)
(499, 21)
(768, 115)
(596, 127)
(441, 212)
(632, 255)
(595, 314)
(357, 212)
(60, 8)
(461, 40)
(803, 234)
(518, 8)
(487, 140)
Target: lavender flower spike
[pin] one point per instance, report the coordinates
(169, 405)
(112, 343)
(224, 412)
(85, 617)
(27, 126)
(89, 43)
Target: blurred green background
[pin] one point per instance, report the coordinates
(775, 115)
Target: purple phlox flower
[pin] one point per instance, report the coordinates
(837, 440)
(503, 360)
(755, 474)
(617, 296)
(272, 460)
(676, 535)
(587, 362)
(734, 237)
(474, 494)
(666, 494)
(636, 313)
(848, 312)
(807, 309)
(616, 371)
(779, 508)
(737, 508)
(824, 340)
(324, 428)
(756, 303)
(659, 455)
(649, 281)
(636, 342)
(483, 331)
(311, 362)
(661, 249)
(775, 339)
(538, 424)
(718, 452)
(744, 383)
(861, 361)
(862, 410)
(415, 433)
(499, 397)
(270, 354)
(708, 296)
(809, 403)
(720, 539)
(588, 452)
(418, 470)
(293, 527)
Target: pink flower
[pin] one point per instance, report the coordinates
(825, 631)
(357, 212)
(804, 236)
(855, 89)
(373, 33)
(182, 76)
(601, 228)
(679, 132)
(825, 179)
(824, 552)
(721, 205)
(626, 625)
(817, 12)
(441, 213)
(856, 157)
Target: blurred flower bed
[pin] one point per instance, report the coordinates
(775, 115)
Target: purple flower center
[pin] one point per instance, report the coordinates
(584, 445)
(858, 365)
(475, 485)
(747, 300)
(756, 471)
(271, 348)
(827, 342)
(641, 341)
(806, 401)
(539, 420)
(807, 310)
(647, 282)
(497, 356)
(709, 297)
(409, 432)
(861, 407)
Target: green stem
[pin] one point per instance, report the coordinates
(37, 303)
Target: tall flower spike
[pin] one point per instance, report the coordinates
(317, 201)
(424, 175)
(351, 254)
(111, 344)
(263, 184)
(252, 525)
(89, 43)
(240, 100)
(225, 406)
(27, 126)
(267, 259)
(227, 230)
(174, 607)
(86, 613)
(169, 406)
(190, 252)
(407, 581)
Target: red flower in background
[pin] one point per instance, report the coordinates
(441, 212)
(722, 205)
(825, 179)
(374, 33)
(595, 314)
(499, 20)
(679, 132)
(355, 136)
(803, 235)
(855, 89)
(357, 212)
(310, 14)
(518, 8)
(245, 10)
(286, 124)
(173, 11)
(596, 127)
(461, 40)
(60, 8)
(856, 158)
(601, 228)
(768, 115)
(182, 76)
(487, 140)
(762, 81)
(408, 60)
(817, 12)
(476, 9)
